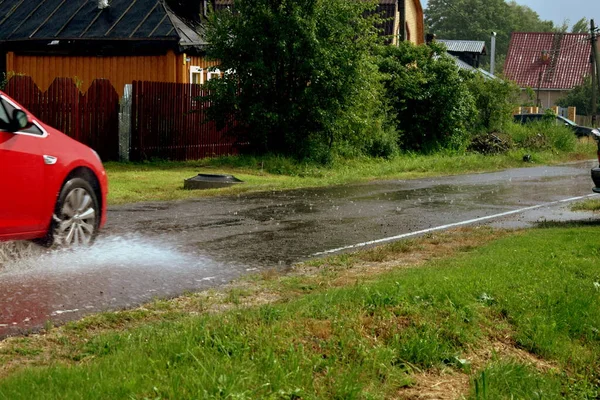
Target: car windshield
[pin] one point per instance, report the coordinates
(567, 120)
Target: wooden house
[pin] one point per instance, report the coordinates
(127, 40)
(120, 40)
(403, 20)
(550, 63)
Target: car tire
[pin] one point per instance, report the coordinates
(76, 216)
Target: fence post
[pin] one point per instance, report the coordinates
(517, 110)
(125, 124)
(554, 110)
(572, 113)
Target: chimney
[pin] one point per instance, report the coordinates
(102, 4)
(493, 54)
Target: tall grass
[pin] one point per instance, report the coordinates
(541, 135)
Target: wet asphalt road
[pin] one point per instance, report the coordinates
(164, 249)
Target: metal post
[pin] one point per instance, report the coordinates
(493, 55)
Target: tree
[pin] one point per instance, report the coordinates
(563, 28)
(581, 26)
(429, 96)
(476, 19)
(580, 97)
(302, 76)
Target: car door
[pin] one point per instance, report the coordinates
(21, 177)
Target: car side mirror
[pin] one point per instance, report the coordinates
(20, 120)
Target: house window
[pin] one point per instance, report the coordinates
(197, 75)
(213, 74)
(407, 30)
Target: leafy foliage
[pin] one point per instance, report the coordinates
(580, 97)
(302, 75)
(430, 96)
(581, 26)
(495, 100)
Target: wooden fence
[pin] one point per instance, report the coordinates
(169, 122)
(91, 118)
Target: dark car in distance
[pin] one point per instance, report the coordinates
(558, 119)
(596, 171)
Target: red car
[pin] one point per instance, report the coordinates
(52, 188)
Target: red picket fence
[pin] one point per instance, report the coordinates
(91, 118)
(167, 121)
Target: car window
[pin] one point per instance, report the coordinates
(9, 109)
(3, 116)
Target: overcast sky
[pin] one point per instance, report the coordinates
(559, 10)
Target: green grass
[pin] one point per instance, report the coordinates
(159, 181)
(537, 293)
(587, 205)
(541, 135)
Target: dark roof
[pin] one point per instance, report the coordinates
(464, 46)
(562, 58)
(83, 20)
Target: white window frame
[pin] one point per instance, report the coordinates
(195, 70)
(210, 74)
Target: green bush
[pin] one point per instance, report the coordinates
(429, 97)
(495, 100)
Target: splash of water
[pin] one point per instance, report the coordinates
(11, 251)
(132, 251)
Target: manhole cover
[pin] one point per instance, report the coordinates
(210, 181)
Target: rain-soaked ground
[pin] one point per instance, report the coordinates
(164, 249)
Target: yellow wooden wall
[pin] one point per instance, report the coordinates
(120, 71)
(414, 20)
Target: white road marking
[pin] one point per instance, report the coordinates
(442, 227)
(59, 312)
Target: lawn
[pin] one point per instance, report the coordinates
(163, 180)
(476, 312)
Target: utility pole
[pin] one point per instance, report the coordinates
(595, 71)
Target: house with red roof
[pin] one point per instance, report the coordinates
(549, 63)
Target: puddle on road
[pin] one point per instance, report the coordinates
(37, 284)
(123, 252)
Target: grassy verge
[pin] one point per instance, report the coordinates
(587, 205)
(474, 312)
(132, 182)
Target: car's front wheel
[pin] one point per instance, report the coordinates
(76, 216)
